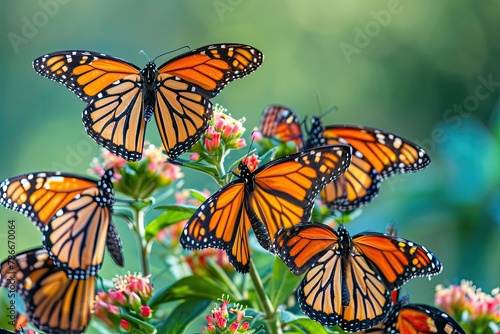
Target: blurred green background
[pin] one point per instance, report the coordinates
(428, 71)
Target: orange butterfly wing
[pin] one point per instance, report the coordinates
(406, 318)
(285, 189)
(188, 81)
(376, 156)
(54, 303)
(112, 87)
(221, 222)
(281, 123)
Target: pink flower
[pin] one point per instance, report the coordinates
(210, 319)
(145, 311)
(118, 297)
(113, 309)
(245, 326)
(130, 295)
(233, 327)
(194, 156)
(222, 315)
(257, 135)
(252, 162)
(469, 303)
(223, 134)
(125, 324)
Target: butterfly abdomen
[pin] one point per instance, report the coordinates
(345, 249)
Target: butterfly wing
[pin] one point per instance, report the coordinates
(396, 260)
(376, 156)
(114, 245)
(420, 319)
(285, 189)
(188, 81)
(221, 222)
(280, 123)
(112, 87)
(54, 303)
(73, 213)
(406, 318)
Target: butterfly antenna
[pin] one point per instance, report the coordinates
(304, 124)
(251, 142)
(166, 53)
(144, 53)
(333, 108)
(318, 102)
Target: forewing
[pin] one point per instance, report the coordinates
(221, 222)
(85, 73)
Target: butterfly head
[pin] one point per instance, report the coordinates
(246, 175)
(149, 73)
(316, 133)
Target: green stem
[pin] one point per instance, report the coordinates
(271, 316)
(144, 246)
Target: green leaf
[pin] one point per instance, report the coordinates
(189, 287)
(177, 208)
(198, 195)
(306, 325)
(282, 284)
(287, 317)
(172, 215)
(183, 315)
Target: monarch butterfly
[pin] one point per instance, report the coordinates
(74, 215)
(122, 98)
(281, 123)
(54, 303)
(376, 155)
(279, 194)
(406, 318)
(348, 281)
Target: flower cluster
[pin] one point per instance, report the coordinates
(227, 320)
(127, 300)
(223, 134)
(139, 179)
(474, 309)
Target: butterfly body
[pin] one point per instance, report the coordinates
(73, 213)
(348, 280)
(148, 75)
(121, 98)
